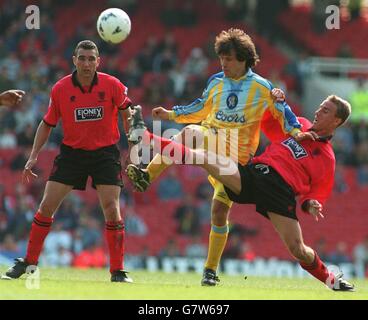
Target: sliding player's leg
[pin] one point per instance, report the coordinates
(291, 234)
(191, 136)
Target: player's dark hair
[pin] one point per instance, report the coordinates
(241, 43)
(343, 108)
(86, 45)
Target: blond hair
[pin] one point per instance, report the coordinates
(343, 108)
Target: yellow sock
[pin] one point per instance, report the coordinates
(217, 242)
(156, 167)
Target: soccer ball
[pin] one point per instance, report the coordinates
(113, 25)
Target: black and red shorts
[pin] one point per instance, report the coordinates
(74, 166)
(264, 187)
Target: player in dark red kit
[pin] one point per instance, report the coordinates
(272, 180)
(88, 103)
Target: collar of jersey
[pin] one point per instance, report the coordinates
(322, 138)
(248, 74)
(76, 83)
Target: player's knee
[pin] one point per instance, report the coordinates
(46, 209)
(111, 210)
(297, 249)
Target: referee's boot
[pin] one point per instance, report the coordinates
(18, 269)
(139, 178)
(120, 276)
(209, 278)
(136, 125)
(341, 284)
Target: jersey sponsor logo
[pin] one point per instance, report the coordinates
(232, 101)
(295, 148)
(88, 114)
(220, 115)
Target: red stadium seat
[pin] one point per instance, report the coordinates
(328, 43)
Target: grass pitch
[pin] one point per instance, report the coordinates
(77, 284)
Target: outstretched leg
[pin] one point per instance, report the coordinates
(291, 234)
(188, 137)
(221, 168)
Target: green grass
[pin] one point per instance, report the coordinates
(69, 283)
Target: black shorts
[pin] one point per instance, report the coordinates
(264, 187)
(73, 166)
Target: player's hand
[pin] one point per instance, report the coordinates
(315, 209)
(11, 97)
(308, 135)
(28, 174)
(278, 95)
(160, 113)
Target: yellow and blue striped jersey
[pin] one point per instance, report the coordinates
(237, 104)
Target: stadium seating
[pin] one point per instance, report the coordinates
(210, 19)
(297, 21)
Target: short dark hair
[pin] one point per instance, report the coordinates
(343, 108)
(86, 45)
(240, 42)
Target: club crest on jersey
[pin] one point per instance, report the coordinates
(295, 148)
(101, 96)
(232, 101)
(88, 114)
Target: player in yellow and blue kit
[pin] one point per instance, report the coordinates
(233, 101)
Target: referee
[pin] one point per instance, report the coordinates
(87, 103)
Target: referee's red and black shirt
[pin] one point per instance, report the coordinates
(89, 115)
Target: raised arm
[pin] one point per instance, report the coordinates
(279, 120)
(194, 112)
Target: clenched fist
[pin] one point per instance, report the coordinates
(160, 113)
(278, 95)
(11, 98)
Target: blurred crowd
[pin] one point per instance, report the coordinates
(351, 141)
(34, 61)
